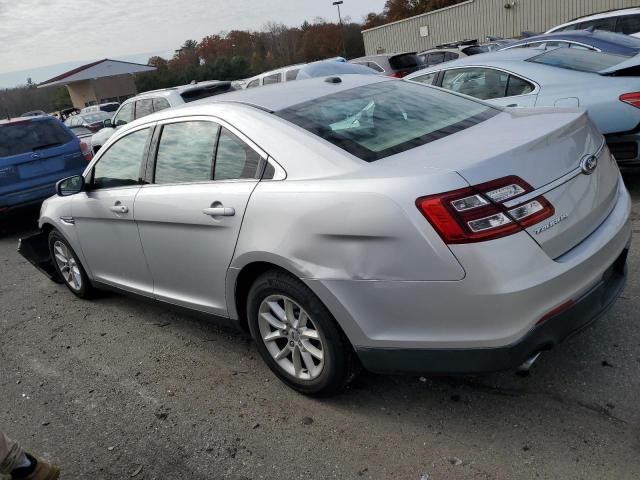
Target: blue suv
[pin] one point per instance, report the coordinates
(36, 152)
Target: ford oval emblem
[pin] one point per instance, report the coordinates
(589, 164)
(35, 155)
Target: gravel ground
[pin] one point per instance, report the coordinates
(118, 388)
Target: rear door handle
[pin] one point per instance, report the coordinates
(119, 209)
(219, 211)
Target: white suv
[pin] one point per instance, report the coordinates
(154, 101)
(626, 20)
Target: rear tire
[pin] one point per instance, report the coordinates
(297, 336)
(69, 267)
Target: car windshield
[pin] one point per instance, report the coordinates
(578, 59)
(96, 117)
(109, 107)
(30, 136)
(382, 119)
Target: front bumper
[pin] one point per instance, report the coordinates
(482, 360)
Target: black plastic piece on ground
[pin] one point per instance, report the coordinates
(35, 249)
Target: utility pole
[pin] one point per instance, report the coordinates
(344, 45)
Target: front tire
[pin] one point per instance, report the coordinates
(298, 337)
(69, 267)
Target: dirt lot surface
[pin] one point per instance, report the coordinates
(118, 388)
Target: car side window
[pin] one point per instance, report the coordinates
(518, 86)
(124, 116)
(375, 66)
(607, 24)
(426, 79)
(254, 83)
(292, 74)
(144, 107)
(160, 103)
(234, 158)
(435, 58)
(120, 165)
(270, 79)
(628, 24)
(482, 83)
(185, 152)
(450, 56)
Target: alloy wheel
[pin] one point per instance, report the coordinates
(291, 337)
(68, 265)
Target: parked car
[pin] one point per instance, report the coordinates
(590, 39)
(34, 113)
(625, 20)
(451, 51)
(607, 85)
(395, 65)
(82, 133)
(365, 220)
(92, 121)
(36, 152)
(154, 101)
(289, 73)
(103, 107)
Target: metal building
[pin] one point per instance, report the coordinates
(476, 19)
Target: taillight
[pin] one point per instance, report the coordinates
(632, 99)
(400, 74)
(478, 213)
(86, 151)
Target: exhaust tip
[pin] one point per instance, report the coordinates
(527, 364)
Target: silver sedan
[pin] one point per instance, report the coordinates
(353, 221)
(606, 85)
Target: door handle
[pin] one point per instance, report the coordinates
(119, 209)
(512, 105)
(219, 211)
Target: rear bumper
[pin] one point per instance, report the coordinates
(481, 360)
(626, 149)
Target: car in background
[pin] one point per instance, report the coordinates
(83, 133)
(103, 107)
(395, 65)
(590, 39)
(36, 152)
(624, 20)
(92, 121)
(34, 113)
(281, 75)
(433, 233)
(452, 51)
(149, 102)
(607, 85)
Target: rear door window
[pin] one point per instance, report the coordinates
(427, 78)
(448, 56)
(144, 107)
(31, 136)
(292, 74)
(435, 58)
(271, 79)
(234, 158)
(160, 103)
(185, 152)
(519, 86)
(374, 66)
(482, 83)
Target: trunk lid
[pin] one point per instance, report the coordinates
(545, 148)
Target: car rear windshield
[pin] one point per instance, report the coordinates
(30, 136)
(200, 93)
(578, 59)
(404, 61)
(382, 119)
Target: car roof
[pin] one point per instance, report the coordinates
(38, 118)
(599, 36)
(596, 16)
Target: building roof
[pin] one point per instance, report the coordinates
(99, 69)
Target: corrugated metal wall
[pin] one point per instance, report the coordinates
(479, 18)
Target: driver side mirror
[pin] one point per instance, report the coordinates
(70, 186)
(107, 123)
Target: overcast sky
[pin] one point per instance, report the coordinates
(39, 33)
